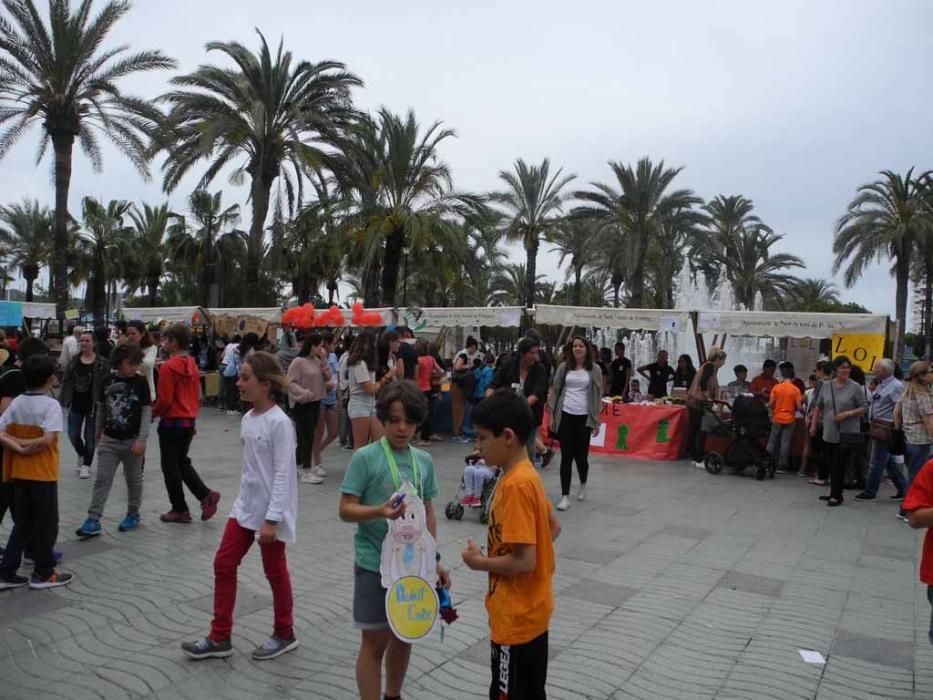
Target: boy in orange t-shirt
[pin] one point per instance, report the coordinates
(520, 554)
(29, 431)
(785, 400)
(918, 504)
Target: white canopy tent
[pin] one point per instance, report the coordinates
(170, 314)
(271, 314)
(661, 320)
(787, 324)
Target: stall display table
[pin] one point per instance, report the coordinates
(639, 431)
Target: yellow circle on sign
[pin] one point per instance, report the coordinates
(411, 607)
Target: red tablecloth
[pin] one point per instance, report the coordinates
(640, 431)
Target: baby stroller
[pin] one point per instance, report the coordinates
(455, 509)
(749, 425)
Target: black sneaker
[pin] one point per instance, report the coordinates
(274, 647)
(546, 459)
(864, 496)
(58, 578)
(897, 497)
(13, 581)
(207, 649)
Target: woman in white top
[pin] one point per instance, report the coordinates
(461, 386)
(361, 366)
(266, 510)
(575, 402)
(136, 333)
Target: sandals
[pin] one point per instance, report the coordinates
(818, 482)
(833, 502)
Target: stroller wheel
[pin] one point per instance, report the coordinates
(760, 472)
(714, 462)
(458, 512)
(484, 514)
(450, 510)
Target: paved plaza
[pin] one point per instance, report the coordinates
(670, 583)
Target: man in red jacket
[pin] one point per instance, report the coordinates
(178, 402)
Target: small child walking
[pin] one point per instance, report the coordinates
(265, 510)
(375, 472)
(29, 431)
(520, 553)
(918, 504)
(124, 413)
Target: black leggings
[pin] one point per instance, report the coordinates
(574, 438)
(696, 438)
(305, 416)
(426, 426)
(838, 456)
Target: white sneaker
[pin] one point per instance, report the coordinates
(79, 464)
(564, 503)
(84, 472)
(700, 465)
(309, 477)
(319, 470)
(233, 413)
(581, 494)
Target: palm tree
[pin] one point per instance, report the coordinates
(402, 193)
(677, 232)
(576, 239)
(532, 206)
(635, 211)
(270, 110)
(27, 237)
(152, 227)
(510, 286)
(726, 217)
(58, 74)
(752, 269)
(812, 294)
(883, 222)
(102, 242)
(204, 237)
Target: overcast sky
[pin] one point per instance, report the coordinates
(792, 104)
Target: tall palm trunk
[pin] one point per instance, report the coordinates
(98, 290)
(371, 285)
(30, 272)
(395, 245)
(637, 277)
(616, 282)
(153, 285)
(902, 278)
(578, 285)
(63, 143)
(531, 272)
(928, 305)
(257, 232)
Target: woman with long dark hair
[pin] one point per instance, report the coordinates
(387, 353)
(137, 333)
(361, 368)
(684, 373)
(428, 370)
(575, 401)
(307, 376)
(81, 390)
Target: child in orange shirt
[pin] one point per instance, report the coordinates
(29, 431)
(785, 400)
(918, 505)
(520, 553)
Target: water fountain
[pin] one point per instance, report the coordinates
(694, 294)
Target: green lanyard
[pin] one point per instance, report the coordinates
(393, 467)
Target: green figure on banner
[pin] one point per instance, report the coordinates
(622, 439)
(662, 436)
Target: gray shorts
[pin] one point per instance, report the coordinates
(369, 600)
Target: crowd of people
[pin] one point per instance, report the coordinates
(375, 393)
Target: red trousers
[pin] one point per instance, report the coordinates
(233, 547)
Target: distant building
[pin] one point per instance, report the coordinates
(917, 307)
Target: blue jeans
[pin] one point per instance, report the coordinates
(915, 457)
(81, 434)
(881, 461)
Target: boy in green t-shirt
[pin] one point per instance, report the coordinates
(366, 499)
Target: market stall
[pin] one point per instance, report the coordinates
(190, 315)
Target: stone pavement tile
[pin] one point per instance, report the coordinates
(572, 618)
(22, 603)
(749, 583)
(591, 555)
(878, 617)
(694, 533)
(873, 649)
(719, 551)
(874, 581)
(778, 664)
(599, 592)
(856, 679)
(900, 552)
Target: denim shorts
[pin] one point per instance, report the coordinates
(369, 600)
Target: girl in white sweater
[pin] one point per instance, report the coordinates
(265, 510)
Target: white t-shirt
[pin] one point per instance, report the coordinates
(269, 483)
(576, 392)
(147, 369)
(228, 353)
(359, 375)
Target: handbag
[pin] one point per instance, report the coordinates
(882, 431)
(898, 444)
(849, 439)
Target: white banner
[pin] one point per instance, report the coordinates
(433, 319)
(778, 324)
(628, 319)
(272, 314)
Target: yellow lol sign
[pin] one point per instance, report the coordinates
(862, 350)
(412, 607)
